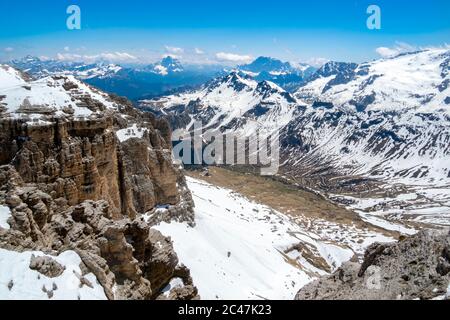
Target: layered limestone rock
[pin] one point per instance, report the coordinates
(73, 183)
(83, 160)
(129, 259)
(414, 268)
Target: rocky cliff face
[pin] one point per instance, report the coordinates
(83, 160)
(414, 268)
(92, 176)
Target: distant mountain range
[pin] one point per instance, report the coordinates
(348, 125)
(417, 81)
(164, 77)
(385, 120)
(168, 65)
(40, 68)
(133, 82)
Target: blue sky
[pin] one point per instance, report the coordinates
(220, 31)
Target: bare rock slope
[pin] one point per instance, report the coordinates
(414, 268)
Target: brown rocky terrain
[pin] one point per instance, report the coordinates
(417, 267)
(72, 184)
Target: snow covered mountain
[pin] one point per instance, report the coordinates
(163, 77)
(167, 66)
(40, 68)
(284, 74)
(276, 67)
(387, 159)
(133, 82)
(417, 81)
(234, 102)
(349, 129)
(386, 121)
(48, 97)
(384, 118)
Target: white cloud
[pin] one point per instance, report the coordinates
(107, 56)
(66, 49)
(69, 57)
(386, 52)
(9, 49)
(232, 57)
(199, 51)
(400, 47)
(174, 50)
(118, 56)
(317, 62)
(173, 56)
(444, 46)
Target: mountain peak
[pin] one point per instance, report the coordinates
(269, 85)
(26, 59)
(266, 64)
(334, 67)
(237, 76)
(235, 79)
(284, 74)
(171, 63)
(413, 81)
(168, 65)
(262, 59)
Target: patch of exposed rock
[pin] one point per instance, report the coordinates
(417, 267)
(46, 266)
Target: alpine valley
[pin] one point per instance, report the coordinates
(373, 136)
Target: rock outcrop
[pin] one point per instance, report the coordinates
(83, 160)
(46, 266)
(414, 268)
(73, 183)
